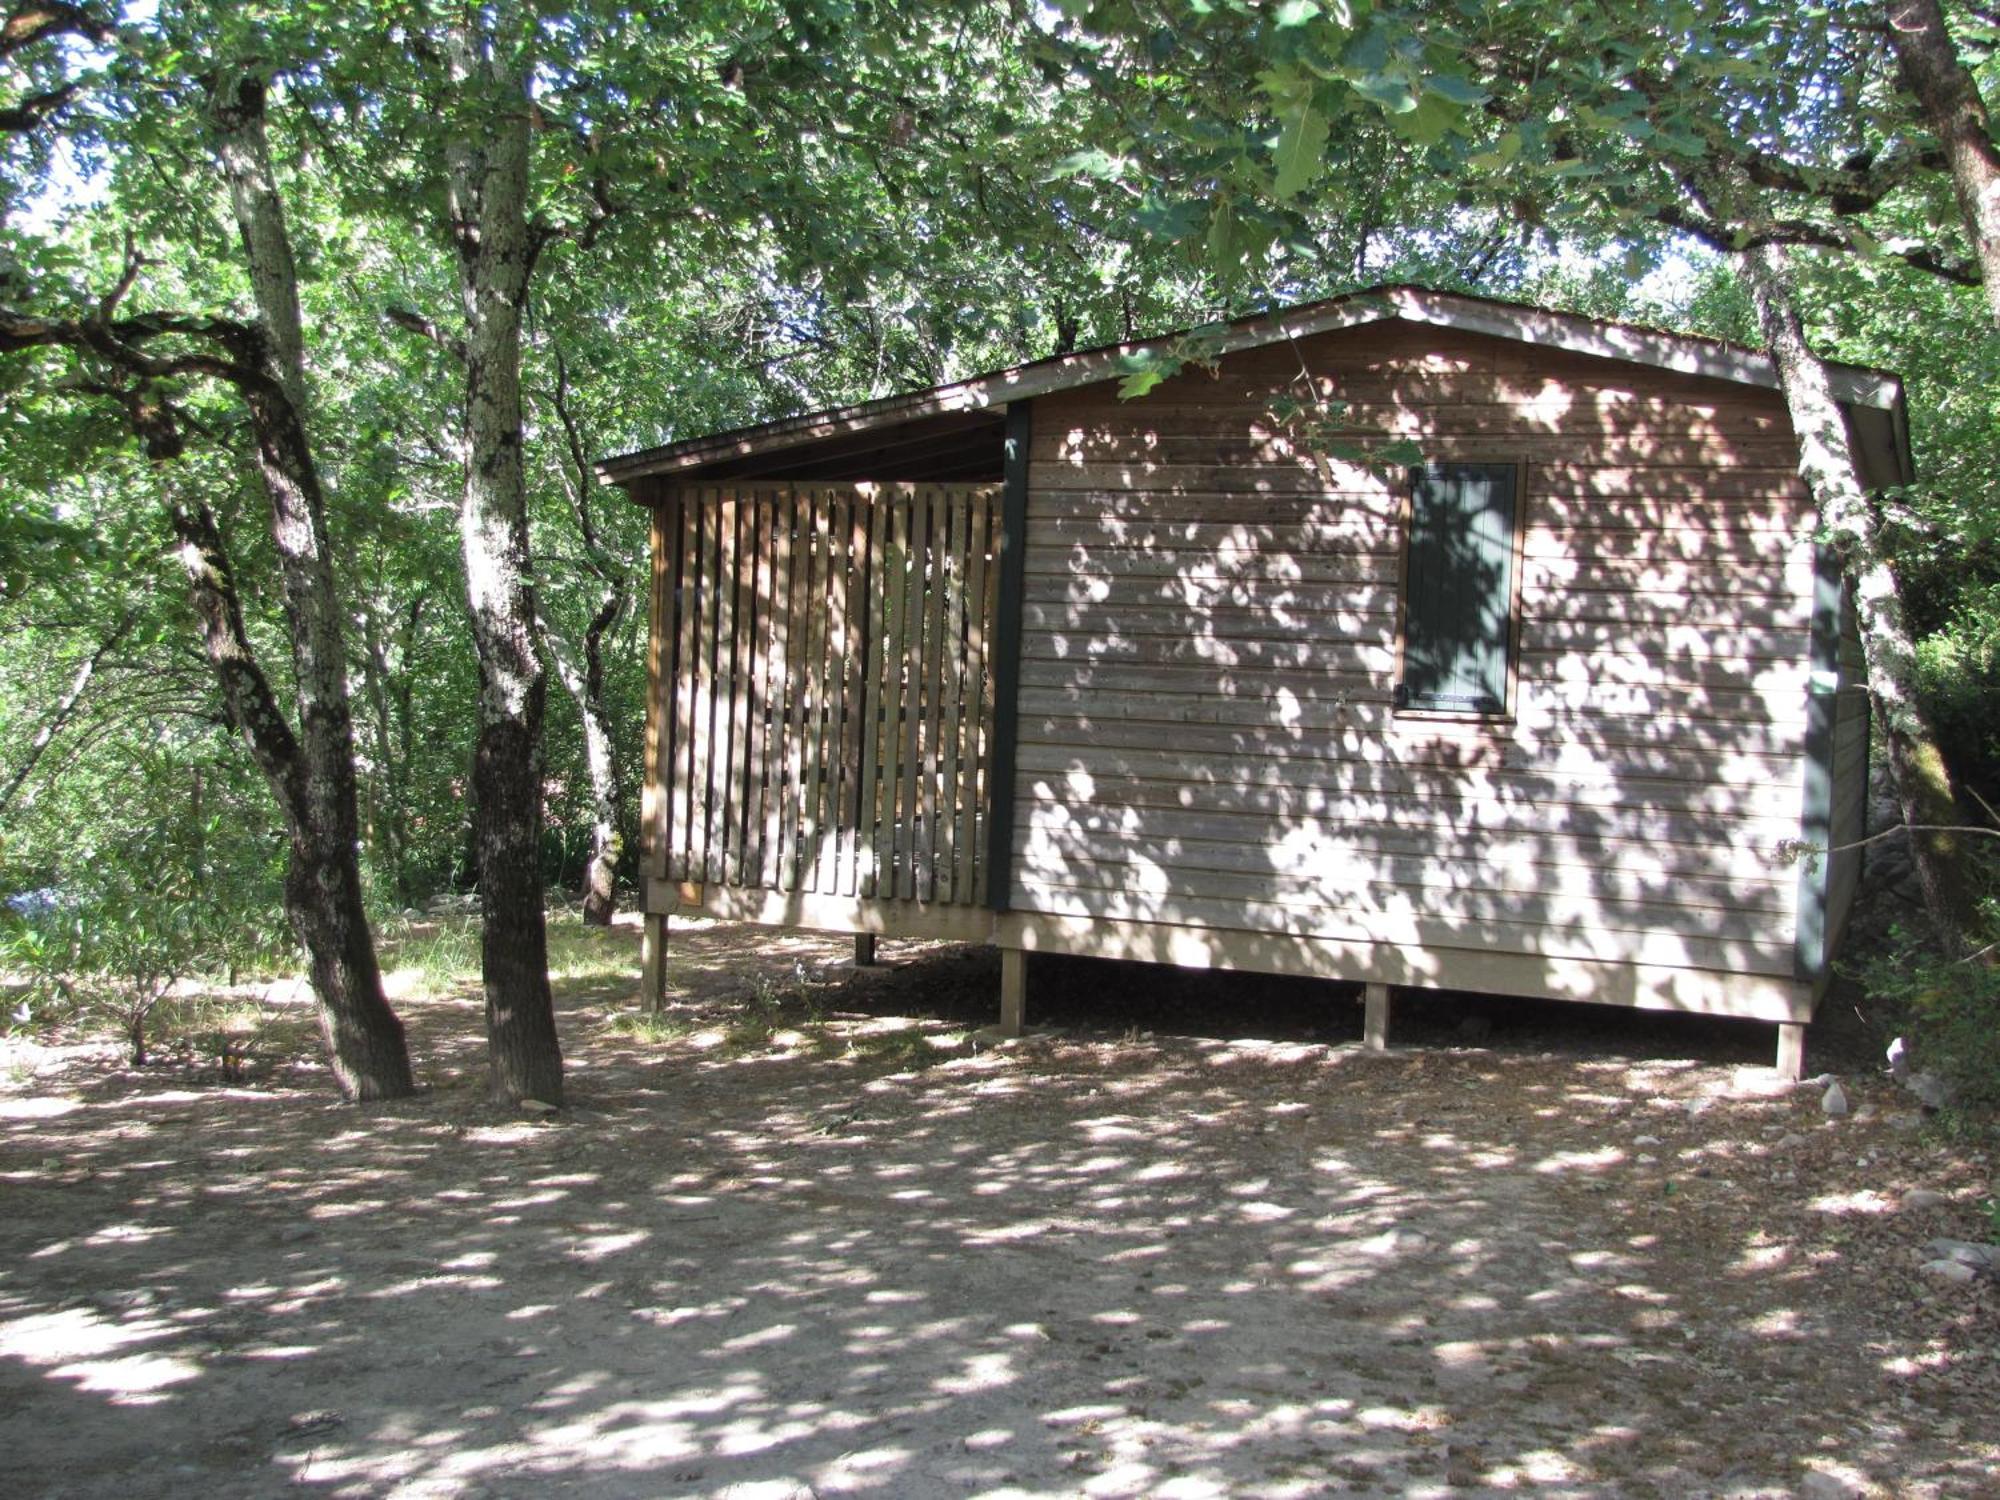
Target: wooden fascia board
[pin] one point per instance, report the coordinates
(1632, 345)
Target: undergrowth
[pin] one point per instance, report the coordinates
(1948, 1012)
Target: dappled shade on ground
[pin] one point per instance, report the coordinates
(806, 1233)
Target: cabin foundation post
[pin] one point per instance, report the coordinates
(653, 962)
(1791, 1051)
(1013, 991)
(864, 950)
(1375, 1017)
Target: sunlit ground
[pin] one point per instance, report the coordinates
(805, 1237)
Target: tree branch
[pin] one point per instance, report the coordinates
(246, 693)
(29, 113)
(65, 707)
(29, 23)
(411, 321)
(1925, 258)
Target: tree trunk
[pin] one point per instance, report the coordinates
(487, 190)
(323, 889)
(1828, 466)
(387, 804)
(585, 686)
(363, 1038)
(1928, 63)
(607, 791)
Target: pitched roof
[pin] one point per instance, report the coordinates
(1686, 353)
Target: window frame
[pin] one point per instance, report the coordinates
(1406, 511)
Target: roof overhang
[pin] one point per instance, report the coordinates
(1682, 353)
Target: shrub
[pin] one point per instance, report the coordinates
(1949, 1012)
(164, 887)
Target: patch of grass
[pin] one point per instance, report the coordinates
(434, 957)
(752, 1031)
(776, 1005)
(225, 1031)
(904, 1051)
(588, 955)
(190, 1015)
(649, 1026)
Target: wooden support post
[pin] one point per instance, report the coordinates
(864, 950)
(1791, 1051)
(653, 963)
(1375, 1017)
(1013, 990)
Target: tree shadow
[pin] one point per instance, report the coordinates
(1091, 1263)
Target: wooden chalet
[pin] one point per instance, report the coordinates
(1017, 661)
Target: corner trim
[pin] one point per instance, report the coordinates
(1810, 941)
(1007, 660)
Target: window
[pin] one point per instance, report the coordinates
(1459, 580)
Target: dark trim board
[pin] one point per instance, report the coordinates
(1007, 658)
(958, 446)
(1816, 812)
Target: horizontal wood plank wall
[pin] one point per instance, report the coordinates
(822, 723)
(1207, 731)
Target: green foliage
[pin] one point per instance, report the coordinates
(1948, 1010)
(164, 887)
(1989, 1208)
(765, 208)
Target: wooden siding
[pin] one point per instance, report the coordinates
(823, 719)
(1209, 643)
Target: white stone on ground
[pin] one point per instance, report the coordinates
(1953, 1272)
(1965, 1253)
(1820, 1485)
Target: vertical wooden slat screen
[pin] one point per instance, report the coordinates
(660, 635)
(825, 698)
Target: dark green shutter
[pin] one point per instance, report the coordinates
(1460, 588)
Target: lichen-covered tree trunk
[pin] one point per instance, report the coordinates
(488, 203)
(1929, 66)
(1827, 464)
(323, 884)
(364, 1039)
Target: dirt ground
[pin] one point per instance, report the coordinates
(817, 1237)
